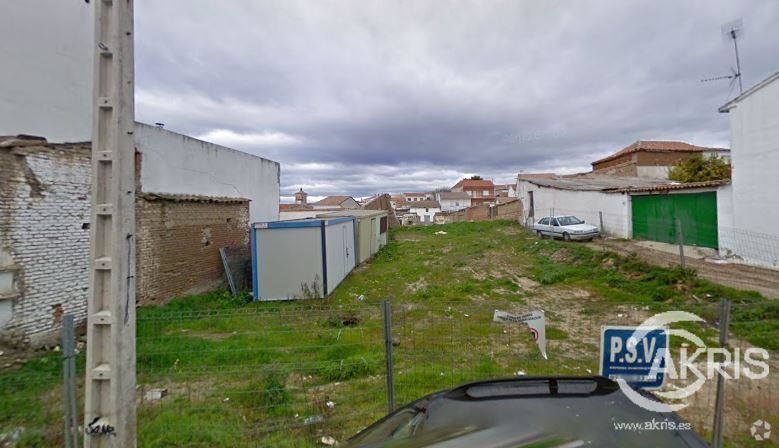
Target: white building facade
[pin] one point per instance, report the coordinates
(750, 207)
(451, 201)
(425, 210)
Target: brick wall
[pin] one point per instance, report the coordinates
(178, 243)
(507, 210)
(44, 238)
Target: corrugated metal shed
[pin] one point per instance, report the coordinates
(301, 259)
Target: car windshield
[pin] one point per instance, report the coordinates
(569, 221)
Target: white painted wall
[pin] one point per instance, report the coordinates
(423, 212)
(754, 153)
(177, 164)
(46, 79)
(452, 205)
(583, 204)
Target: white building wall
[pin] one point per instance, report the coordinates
(425, 212)
(177, 164)
(46, 79)
(615, 207)
(44, 239)
(754, 127)
(452, 205)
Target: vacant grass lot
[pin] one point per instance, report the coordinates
(286, 374)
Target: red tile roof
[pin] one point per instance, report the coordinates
(657, 146)
(290, 207)
(465, 183)
(333, 200)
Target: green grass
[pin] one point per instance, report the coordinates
(242, 373)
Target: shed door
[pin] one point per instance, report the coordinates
(654, 218)
(374, 237)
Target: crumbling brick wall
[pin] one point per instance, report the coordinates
(44, 238)
(178, 243)
(483, 212)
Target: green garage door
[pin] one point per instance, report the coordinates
(654, 218)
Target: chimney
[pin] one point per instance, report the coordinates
(300, 197)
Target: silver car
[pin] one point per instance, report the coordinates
(565, 227)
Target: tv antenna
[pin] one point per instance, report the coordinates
(731, 31)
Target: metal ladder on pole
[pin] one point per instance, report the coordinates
(110, 367)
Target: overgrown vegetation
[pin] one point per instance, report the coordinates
(698, 168)
(283, 374)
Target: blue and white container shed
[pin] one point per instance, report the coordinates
(301, 259)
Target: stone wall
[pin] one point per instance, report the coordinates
(178, 243)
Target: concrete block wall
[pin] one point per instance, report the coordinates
(44, 239)
(178, 243)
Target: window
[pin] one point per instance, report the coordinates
(554, 222)
(427, 209)
(383, 225)
(544, 221)
(470, 193)
(485, 193)
(456, 204)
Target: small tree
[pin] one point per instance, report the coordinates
(477, 177)
(700, 169)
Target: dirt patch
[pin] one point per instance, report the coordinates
(561, 255)
(739, 276)
(524, 282)
(416, 286)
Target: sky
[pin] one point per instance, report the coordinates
(360, 97)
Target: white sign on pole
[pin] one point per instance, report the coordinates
(533, 319)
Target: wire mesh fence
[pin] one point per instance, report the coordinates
(286, 374)
(304, 374)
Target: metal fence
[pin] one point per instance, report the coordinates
(305, 374)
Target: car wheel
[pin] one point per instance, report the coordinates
(566, 237)
(540, 235)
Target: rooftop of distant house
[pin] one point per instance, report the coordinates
(474, 183)
(659, 146)
(333, 200)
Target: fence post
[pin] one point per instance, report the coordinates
(602, 232)
(680, 240)
(387, 311)
(719, 403)
(69, 381)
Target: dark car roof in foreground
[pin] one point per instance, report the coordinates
(536, 411)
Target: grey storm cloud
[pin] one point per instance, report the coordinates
(357, 97)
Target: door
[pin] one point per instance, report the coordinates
(347, 252)
(374, 238)
(554, 228)
(654, 218)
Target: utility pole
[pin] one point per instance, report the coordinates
(109, 414)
